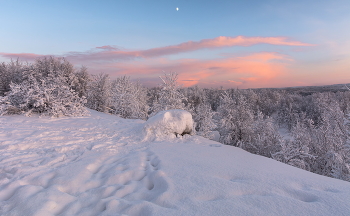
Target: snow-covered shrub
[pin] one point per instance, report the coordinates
(329, 135)
(265, 137)
(236, 120)
(288, 113)
(332, 147)
(268, 101)
(10, 72)
(99, 93)
(55, 67)
(195, 96)
(82, 81)
(197, 104)
(45, 87)
(296, 151)
(49, 96)
(214, 97)
(204, 122)
(128, 100)
(168, 123)
(169, 95)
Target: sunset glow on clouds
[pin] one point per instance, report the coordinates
(251, 70)
(243, 44)
(110, 53)
(258, 67)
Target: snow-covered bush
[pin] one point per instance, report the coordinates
(82, 81)
(45, 87)
(169, 95)
(195, 96)
(331, 146)
(168, 123)
(204, 122)
(265, 137)
(296, 151)
(288, 113)
(99, 93)
(268, 101)
(197, 104)
(236, 121)
(128, 100)
(50, 96)
(55, 67)
(11, 72)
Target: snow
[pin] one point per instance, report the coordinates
(168, 124)
(97, 165)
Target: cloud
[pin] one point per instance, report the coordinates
(250, 70)
(235, 82)
(245, 71)
(107, 47)
(111, 53)
(22, 56)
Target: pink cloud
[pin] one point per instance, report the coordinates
(107, 47)
(235, 82)
(110, 53)
(263, 69)
(245, 71)
(22, 56)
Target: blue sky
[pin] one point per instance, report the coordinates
(74, 29)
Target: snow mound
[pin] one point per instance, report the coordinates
(168, 123)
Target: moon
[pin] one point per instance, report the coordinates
(177, 9)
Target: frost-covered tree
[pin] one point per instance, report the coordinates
(265, 138)
(202, 113)
(57, 67)
(50, 96)
(11, 72)
(296, 151)
(195, 96)
(289, 110)
(169, 96)
(214, 97)
(45, 87)
(268, 101)
(331, 144)
(204, 122)
(128, 100)
(82, 81)
(236, 119)
(99, 93)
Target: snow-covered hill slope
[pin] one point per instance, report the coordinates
(97, 165)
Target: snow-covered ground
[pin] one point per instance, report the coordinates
(100, 165)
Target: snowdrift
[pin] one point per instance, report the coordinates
(97, 166)
(168, 124)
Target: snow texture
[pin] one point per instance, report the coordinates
(96, 165)
(167, 124)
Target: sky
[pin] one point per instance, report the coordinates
(226, 43)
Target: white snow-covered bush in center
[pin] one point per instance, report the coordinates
(168, 123)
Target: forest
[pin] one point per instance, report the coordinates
(304, 127)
